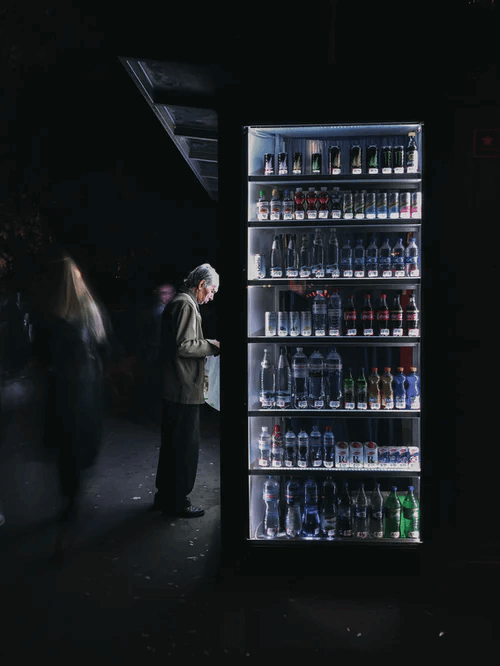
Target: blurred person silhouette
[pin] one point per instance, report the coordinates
(70, 348)
(183, 351)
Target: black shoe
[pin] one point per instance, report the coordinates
(188, 511)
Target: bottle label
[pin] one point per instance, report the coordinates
(302, 404)
(287, 214)
(305, 272)
(263, 462)
(349, 405)
(347, 272)
(351, 331)
(394, 535)
(378, 535)
(397, 332)
(323, 214)
(299, 214)
(362, 405)
(399, 272)
(292, 272)
(334, 404)
(374, 403)
(415, 402)
(359, 274)
(384, 332)
(276, 272)
(413, 332)
(312, 214)
(318, 273)
(333, 332)
(400, 402)
(318, 404)
(373, 272)
(415, 534)
(336, 214)
(368, 331)
(280, 402)
(386, 272)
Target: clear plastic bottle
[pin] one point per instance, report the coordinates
(277, 451)
(386, 389)
(300, 379)
(265, 447)
(346, 267)
(332, 269)
(372, 259)
(318, 255)
(349, 391)
(293, 518)
(358, 259)
(271, 496)
(319, 314)
(334, 379)
(291, 258)
(412, 259)
(413, 391)
(290, 449)
(361, 391)
(399, 389)
(392, 515)
(410, 516)
(315, 447)
(302, 449)
(377, 513)
(276, 260)
(361, 513)
(385, 259)
(328, 447)
(328, 511)
(304, 258)
(283, 381)
(398, 259)
(267, 382)
(323, 200)
(344, 519)
(374, 389)
(287, 206)
(317, 380)
(334, 314)
(310, 517)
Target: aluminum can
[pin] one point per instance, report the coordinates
(283, 164)
(382, 205)
(269, 164)
(270, 323)
(305, 323)
(334, 160)
(393, 204)
(283, 323)
(259, 265)
(359, 205)
(316, 163)
(347, 208)
(356, 160)
(372, 159)
(294, 323)
(297, 164)
(370, 205)
(399, 159)
(404, 205)
(386, 159)
(416, 204)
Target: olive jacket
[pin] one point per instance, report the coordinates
(183, 350)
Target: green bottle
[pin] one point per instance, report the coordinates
(410, 517)
(392, 516)
(349, 391)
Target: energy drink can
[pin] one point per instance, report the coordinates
(393, 205)
(386, 159)
(359, 205)
(372, 159)
(259, 264)
(334, 160)
(283, 164)
(297, 164)
(316, 163)
(305, 323)
(404, 205)
(382, 205)
(347, 207)
(399, 159)
(416, 205)
(356, 160)
(294, 323)
(370, 205)
(269, 164)
(270, 328)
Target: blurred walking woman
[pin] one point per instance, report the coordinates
(70, 344)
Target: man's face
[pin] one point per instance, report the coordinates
(166, 293)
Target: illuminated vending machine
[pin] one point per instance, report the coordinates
(333, 325)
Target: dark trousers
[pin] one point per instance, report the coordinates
(179, 451)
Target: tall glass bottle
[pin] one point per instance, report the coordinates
(267, 382)
(377, 513)
(317, 380)
(361, 513)
(318, 256)
(410, 516)
(328, 513)
(291, 259)
(310, 517)
(344, 519)
(334, 379)
(332, 269)
(349, 391)
(304, 258)
(283, 381)
(276, 260)
(300, 379)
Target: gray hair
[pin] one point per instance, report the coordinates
(203, 272)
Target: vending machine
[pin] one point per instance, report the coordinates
(334, 217)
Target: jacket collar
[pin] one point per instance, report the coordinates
(189, 293)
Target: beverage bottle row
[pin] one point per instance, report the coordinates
(319, 204)
(328, 317)
(318, 510)
(340, 260)
(385, 159)
(317, 450)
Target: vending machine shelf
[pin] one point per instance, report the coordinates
(342, 340)
(392, 178)
(345, 413)
(334, 471)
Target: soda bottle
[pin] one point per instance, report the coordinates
(310, 517)
(318, 256)
(392, 515)
(283, 381)
(290, 449)
(312, 201)
(319, 314)
(399, 382)
(328, 447)
(293, 518)
(276, 262)
(328, 514)
(344, 519)
(277, 453)
(413, 391)
(291, 259)
(304, 258)
(398, 259)
(263, 207)
(361, 513)
(367, 316)
(383, 317)
(412, 259)
(358, 259)
(385, 260)
(302, 449)
(396, 320)
(271, 496)
(299, 201)
(410, 516)
(334, 379)
(287, 206)
(300, 379)
(411, 154)
(377, 513)
(332, 269)
(275, 205)
(317, 380)
(315, 448)
(323, 199)
(349, 392)
(386, 393)
(267, 382)
(346, 267)
(265, 447)
(337, 202)
(412, 318)
(374, 389)
(361, 391)
(372, 259)
(350, 325)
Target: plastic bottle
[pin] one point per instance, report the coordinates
(267, 382)
(300, 380)
(410, 516)
(293, 518)
(383, 317)
(299, 201)
(344, 519)
(412, 324)
(361, 513)
(349, 392)
(302, 449)
(304, 258)
(361, 391)
(328, 447)
(386, 390)
(290, 449)
(392, 515)
(263, 207)
(371, 259)
(377, 513)
(358, 259)
(399, 389)
(265, 447)
(323, 199)
(367, 317)
(271, 496)
(317, 380)
(312, 204)
(328, 512)
(332, 268)
(315, 447)
(346, 268)
(334, 314)
(319, 314)
(291, 259)
(336, 200)
(276, 260)
(275, 205)
(287, 206)
(385, 259)
(374, 389)
(411, 154)
(334, 379)
(310, 517)
(283, 381)
(350, 317)
(398, 259)
(413, 391)
(277, 452)
(396, 317)
(318, 255)
(412, 259)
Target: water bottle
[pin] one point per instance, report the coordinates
(283, 381)
(386, 389)
(344, 519)
(291, 259)
(265, 447)
(361, 514)
(392, 515)
(328, 447)
(334, 314)
(267, 382)
(317, 380)
(328, 513)
(332, 269)
(304, 258)
(385, 259)
(413, 391)
(302, 449)
(300, 380)
(315, 448)
(318, 256)
(319, 314)
(358, 260)
(374, 401)
(412, 259)
(310, 517)
(376, 513)
(277, 453)
(410, 516)
(334, 379)
(290, 449)
(271, 497)
(398, 259)
(293, 518)
(399, 389)
(346, 269)
(361, 391)
(349, 392)
(372, 259)
(276, 262)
